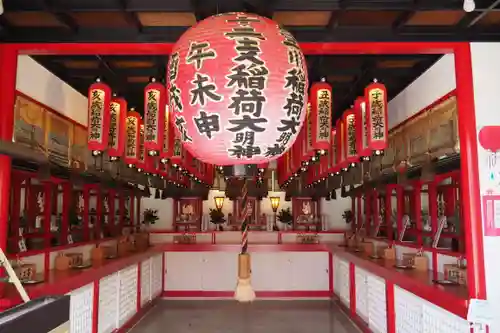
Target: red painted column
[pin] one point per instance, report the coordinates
(391, 309)
(469, 173)
(8, 68)
(352, 289)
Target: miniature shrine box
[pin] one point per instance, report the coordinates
(25, 272)
(419, 261)
(453, 272)
(76, 259)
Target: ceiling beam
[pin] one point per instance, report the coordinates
(117, 82)
(54, 8)
(131, 16)
(341, 34)
(260, 7)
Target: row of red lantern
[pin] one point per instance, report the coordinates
(144, 144)
(314, 137)
(360, 133)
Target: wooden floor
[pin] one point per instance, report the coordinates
(258, 317)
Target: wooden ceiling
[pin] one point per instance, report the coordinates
(309, 21)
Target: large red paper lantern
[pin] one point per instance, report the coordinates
(154, 117)
(376, 106)
(98, 117)
(117, 123)
(321, 115)
(132, 132)
(237, 88)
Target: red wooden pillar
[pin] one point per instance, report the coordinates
(8, 68)
(400, 197)
(417, 212)
(369, 223)
(65, 213)
(359, 215)
(86, 211)
(98, 226)
(353, 210)
(469, 173)
(131, 209)
(138, 224)
(388, 213)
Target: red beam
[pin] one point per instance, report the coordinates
(316, 48)
(470, 172)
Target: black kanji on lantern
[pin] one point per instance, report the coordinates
(248, 102)
(246, 138)
(151, 124)
(199, 52)
(294, 57)
(173, 67)
(377, 114)
(207, 124)
(296, 80)
(180, 123)
(175, 97)
(96, 112)
(247, 122)
(113, 124)
(284, 138)
(248, 50)
(289, 40)
(244, 20)
(324, 114)
(244, 32)
(241, 151)
(351, 136)
(290, 124)
(251, 77)
(275, 150)
(248, 77)
(294, 105)
(131, 136)
(203, 88)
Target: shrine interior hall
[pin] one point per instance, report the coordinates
(249, 166)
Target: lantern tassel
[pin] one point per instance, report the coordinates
(244, 292)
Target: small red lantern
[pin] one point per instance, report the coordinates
(350, 133)
(168, 138)
(376, 107)
(321, 115)
(141, 160)
(237, 88)
(489, 138)
(333, 168)
(177, 157)
(309, 149)
(154, 117)
(98, 118)
(132, 140)
(341, 148)
(362, 143)
(117, 136)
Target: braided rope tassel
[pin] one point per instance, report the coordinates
(245, 208)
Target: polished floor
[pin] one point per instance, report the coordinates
(258, 317)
